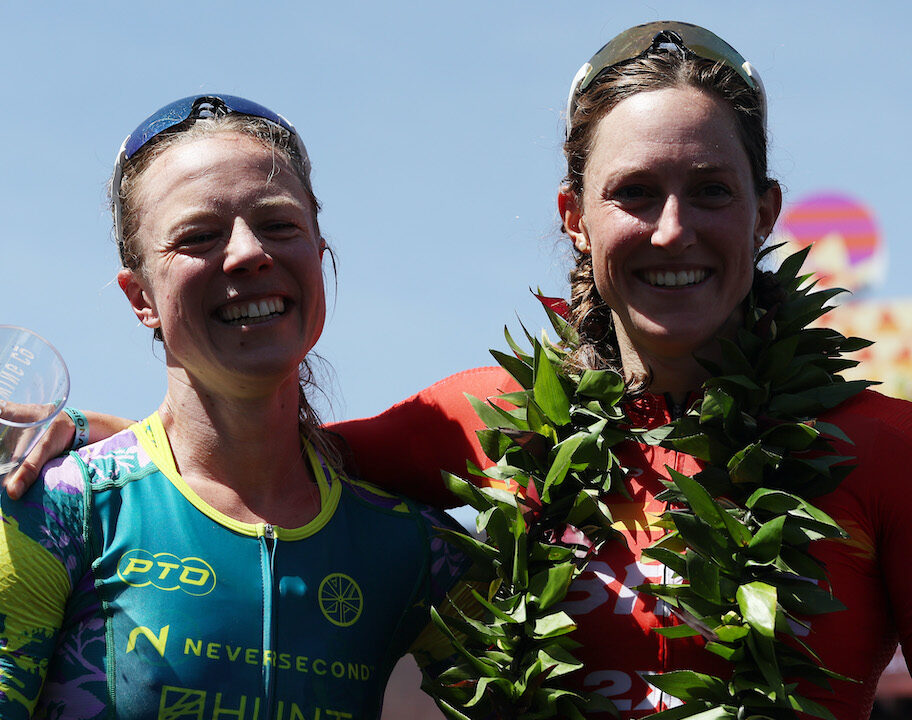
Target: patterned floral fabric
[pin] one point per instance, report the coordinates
(123, 594)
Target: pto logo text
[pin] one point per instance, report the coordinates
(166, 571)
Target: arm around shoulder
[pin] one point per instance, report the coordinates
(56, 441)
(405, 447)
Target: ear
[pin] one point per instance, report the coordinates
(768, 208)
(571, 212)
(134, 287)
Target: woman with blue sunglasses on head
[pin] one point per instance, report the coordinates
(213, 559)
(667, 203)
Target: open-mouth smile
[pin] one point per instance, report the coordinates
(252, 311)
(673, 278)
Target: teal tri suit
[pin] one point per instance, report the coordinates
(124, 595)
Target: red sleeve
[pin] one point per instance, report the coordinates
(404, 448)
(895, 538)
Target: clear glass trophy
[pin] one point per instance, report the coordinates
(34, 385)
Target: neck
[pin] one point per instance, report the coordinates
(672, 369)
(241, 454)
(676, 376)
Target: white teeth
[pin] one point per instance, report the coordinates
(669, 278)
(262, 308)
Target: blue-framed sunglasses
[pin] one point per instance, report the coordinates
(667, 35)
(193, 107)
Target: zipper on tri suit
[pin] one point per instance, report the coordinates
(269, 613)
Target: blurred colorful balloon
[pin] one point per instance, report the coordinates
(847, 250)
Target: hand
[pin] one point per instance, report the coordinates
(57, 439)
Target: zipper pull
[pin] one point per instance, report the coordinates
(268, 531)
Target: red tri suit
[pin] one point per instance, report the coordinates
(869, 572)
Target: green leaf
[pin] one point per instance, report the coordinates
(773, 501)
(704, 577)
(604, 385)
(708, 509)
(794, 436)
(701, 537)
(676, 631)
(478, 551)
(557, 661)
(493, 416)
(561, 464)
(765, 545)
(757, 602)
(553, 625)
(450, 711)
(790, 267)
(548, 392)
(670, 559)
(731, 633)
(485, 668)
(518, 351)
(692, 709)
(465, 491)
(493, 443)
(519, 370)
(746, 466)
(726, 652)
(716, 406)
(497, 612)
(550, 586)
(688, 685)
(810, 707)
(763, 650)
(832, 431)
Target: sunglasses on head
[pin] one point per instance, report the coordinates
(180, 111)
(691, 40)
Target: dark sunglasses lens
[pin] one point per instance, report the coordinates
(247, 107)
(637, 40)
(159, 121)
(180, 110)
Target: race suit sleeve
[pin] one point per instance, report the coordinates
(404, 448)
(894, 538)
(446, 587)
(42, 555)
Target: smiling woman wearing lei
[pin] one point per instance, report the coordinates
(708, 512)
(667, 202)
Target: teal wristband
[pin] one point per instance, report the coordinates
(82, 427)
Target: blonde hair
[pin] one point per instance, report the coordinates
(283, 144)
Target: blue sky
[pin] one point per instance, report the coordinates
(435, 132)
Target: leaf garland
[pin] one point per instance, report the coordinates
(738, 531)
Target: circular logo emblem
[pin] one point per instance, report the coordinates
(340, 599)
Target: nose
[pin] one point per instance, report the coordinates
(672, 231)
(244, 251)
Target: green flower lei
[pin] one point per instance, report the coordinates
(738, 531)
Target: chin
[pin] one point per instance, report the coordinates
(682, 341)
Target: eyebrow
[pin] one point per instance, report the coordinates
(706, 168)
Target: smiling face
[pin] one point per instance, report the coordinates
(230, 261)
(672, 218)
